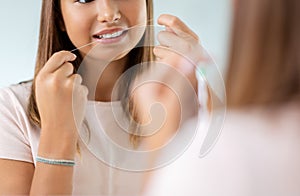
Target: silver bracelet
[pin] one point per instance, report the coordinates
(55, 161)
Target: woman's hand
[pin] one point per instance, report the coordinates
(61, 101)
(171, 82)
(179, 46)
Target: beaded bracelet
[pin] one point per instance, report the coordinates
(55, 161)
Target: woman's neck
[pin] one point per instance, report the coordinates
(101, 77)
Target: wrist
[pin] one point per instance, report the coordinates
(57, 146)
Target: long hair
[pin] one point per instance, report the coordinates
(264, 65)
(53, 39)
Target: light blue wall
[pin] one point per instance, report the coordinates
(20, 20)
(19, 30)
(210, 19)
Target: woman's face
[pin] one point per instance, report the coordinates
(103, 22)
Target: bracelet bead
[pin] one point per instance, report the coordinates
(55, 161)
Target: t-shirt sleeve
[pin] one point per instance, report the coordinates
(14, 144)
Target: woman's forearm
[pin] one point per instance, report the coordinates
(52, 179)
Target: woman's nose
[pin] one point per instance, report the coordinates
(108, 11)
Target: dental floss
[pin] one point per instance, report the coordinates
(138, 25)
(82, 46)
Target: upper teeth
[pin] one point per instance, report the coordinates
(109, 35)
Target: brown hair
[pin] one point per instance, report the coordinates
(53, 39)
(264, 65)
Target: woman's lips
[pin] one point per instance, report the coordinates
(110, 35)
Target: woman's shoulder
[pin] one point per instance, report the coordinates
(21, 88)
(16, 94)
(262, 132)
(14, 100)
(265, 119)
(17, 134)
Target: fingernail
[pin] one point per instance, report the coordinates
(73, 57)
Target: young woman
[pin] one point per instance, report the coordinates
(41, 152)
(258, 150)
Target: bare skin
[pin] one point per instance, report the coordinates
(55, 87)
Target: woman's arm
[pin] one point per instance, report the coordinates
(61, 101)
(16, 177)
(21, 178)
(54, 179)
(171, 81)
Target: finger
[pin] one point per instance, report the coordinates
(177, 26)
(168, 29)
(84, 90)
(57, 60)
(171, 40)
(76, 78)
(173, 59)
(161, 51)
(76, 81)
(167, 56)
(65, 70)
(185, 48)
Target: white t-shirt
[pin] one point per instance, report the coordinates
(103, 143)
(19, 140)
(257, 154)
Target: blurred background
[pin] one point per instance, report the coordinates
(20, 22)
